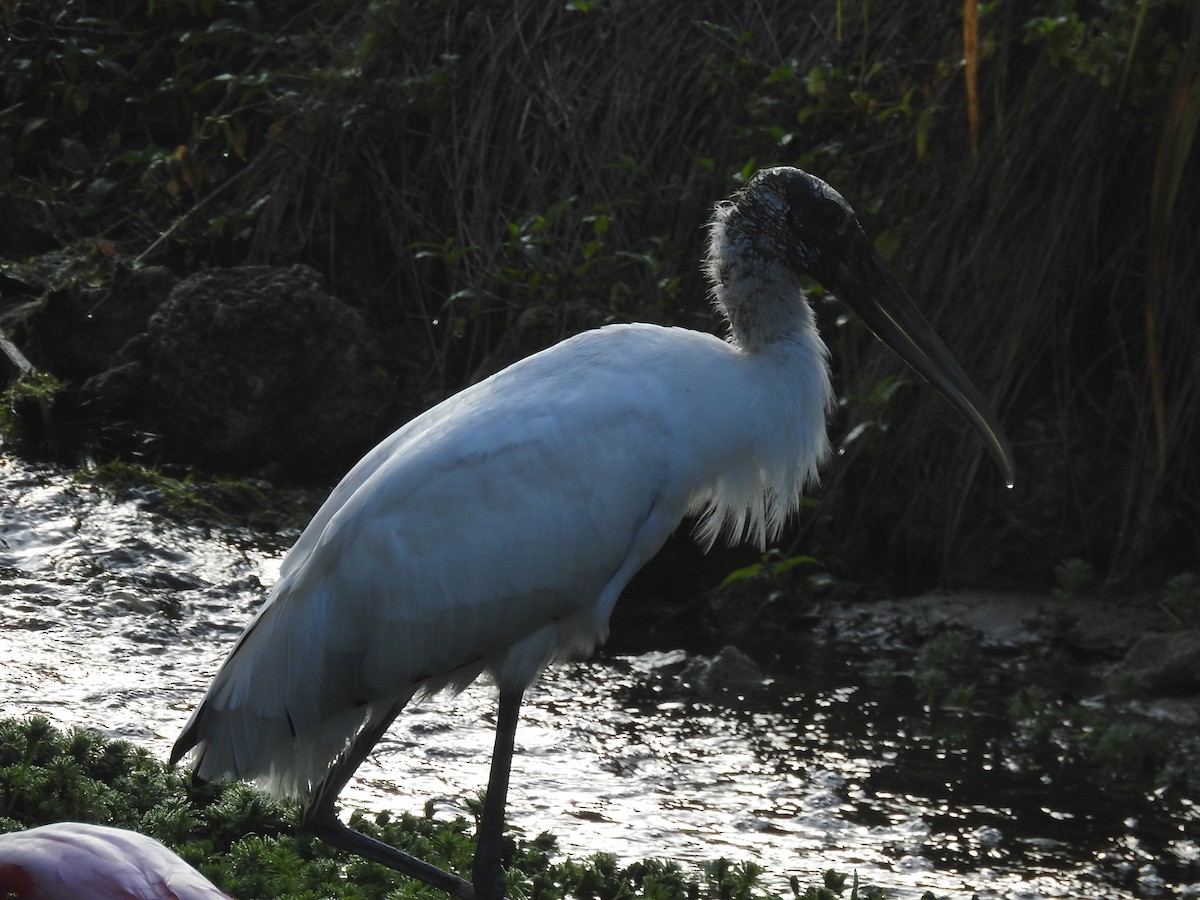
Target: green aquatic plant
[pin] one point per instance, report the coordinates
(26, 403)
(1072, 576)
(943, 667)
(1181, 597)
(834, 887)
(192, 498)
(250, 845)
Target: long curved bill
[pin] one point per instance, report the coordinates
(866, 286)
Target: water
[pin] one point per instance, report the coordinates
(115, 619)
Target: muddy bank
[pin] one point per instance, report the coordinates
(1136, 656)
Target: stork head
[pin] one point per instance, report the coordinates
(786, 224)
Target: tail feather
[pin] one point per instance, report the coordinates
(280, 712)
(231, 745)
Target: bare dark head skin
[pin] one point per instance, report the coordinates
(806, 222)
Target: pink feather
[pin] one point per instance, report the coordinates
(71, 860)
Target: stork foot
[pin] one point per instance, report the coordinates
(488, 874)
(333, 831)
(487, 871)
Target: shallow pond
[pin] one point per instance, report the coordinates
(114, 618)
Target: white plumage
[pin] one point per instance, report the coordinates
(495, 532)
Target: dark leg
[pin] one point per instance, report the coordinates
(487, 871)
(320, 817)
(329, 828)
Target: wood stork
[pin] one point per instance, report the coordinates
(494, 533)
(71, 860)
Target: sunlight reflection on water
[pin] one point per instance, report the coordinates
(115, 619)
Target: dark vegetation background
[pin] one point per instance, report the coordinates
(481, 178)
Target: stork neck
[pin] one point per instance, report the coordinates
(763, 307)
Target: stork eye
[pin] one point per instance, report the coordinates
(832, 217)
(823, 217)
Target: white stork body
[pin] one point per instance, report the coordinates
(496, 531)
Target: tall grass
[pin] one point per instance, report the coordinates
(487, 177)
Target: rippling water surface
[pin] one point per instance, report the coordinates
(115, 619)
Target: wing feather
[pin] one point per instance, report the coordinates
(495, 533)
